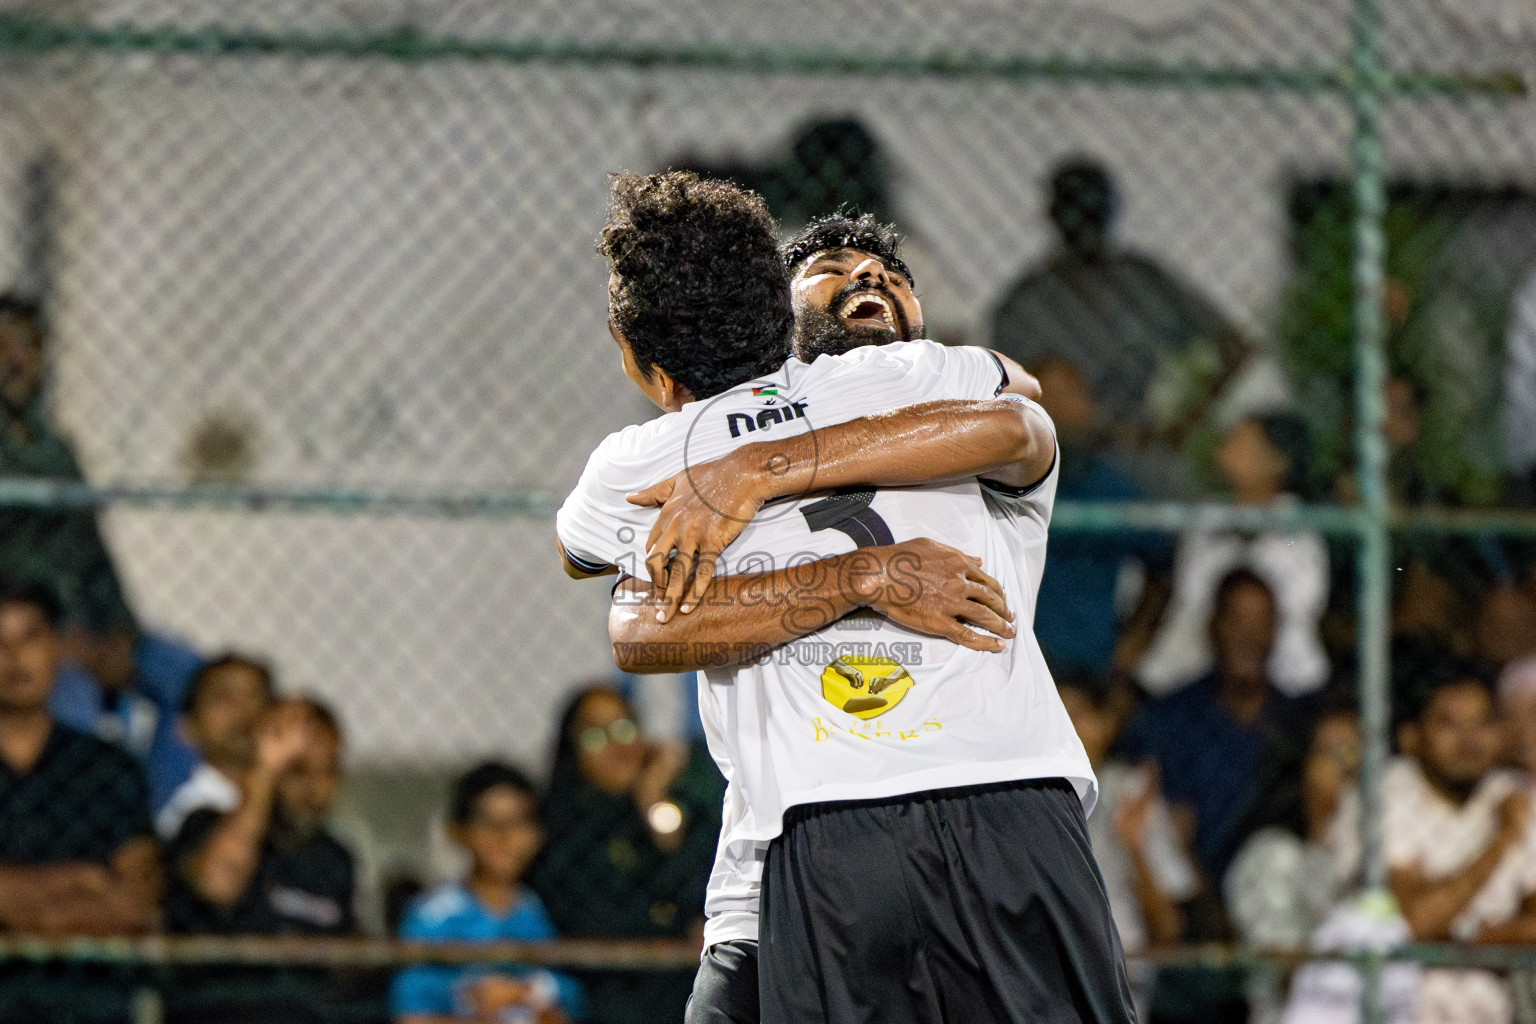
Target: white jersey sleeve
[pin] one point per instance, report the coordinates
(963, 371)
(595, 514)
(597, 526)
(906, 373)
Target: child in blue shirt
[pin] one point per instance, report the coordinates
(494, 815)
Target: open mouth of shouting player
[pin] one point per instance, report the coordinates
(844, 298)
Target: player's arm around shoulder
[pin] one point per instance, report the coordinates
(1016, 379)
(990, 426)
(1028, 441)
(1036, 439)
(922, 584)
(1035, 446)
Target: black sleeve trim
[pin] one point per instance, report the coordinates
(1002, 372)
(586, 566)
(1009, 491)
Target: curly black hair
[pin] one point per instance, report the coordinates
(701, 291)
(842, 230)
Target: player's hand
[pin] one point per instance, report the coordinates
(282, 736)
(933, 588)
(703, 509)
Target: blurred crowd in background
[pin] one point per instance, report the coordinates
(146, 786)
(239, 845)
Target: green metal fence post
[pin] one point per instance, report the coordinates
(1371, 454)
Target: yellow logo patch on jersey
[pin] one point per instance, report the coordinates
(864, 686)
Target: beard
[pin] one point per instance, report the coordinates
(1457, 786)
(821, 332)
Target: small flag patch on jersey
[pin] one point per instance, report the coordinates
(764, 391)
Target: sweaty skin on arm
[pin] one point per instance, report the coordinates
(706, 508)
(922, 584)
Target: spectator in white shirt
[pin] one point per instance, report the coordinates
(1460, 851)
(1264, 460)
(224, 701)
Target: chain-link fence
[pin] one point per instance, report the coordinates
(323, 331)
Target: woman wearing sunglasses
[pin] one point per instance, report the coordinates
(630, 837)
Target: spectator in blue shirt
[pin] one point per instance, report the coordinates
(1210, 738)
(126, 686)
(494, 815)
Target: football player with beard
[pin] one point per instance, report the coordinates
(914, 862)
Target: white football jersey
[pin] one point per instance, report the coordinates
(862, 708)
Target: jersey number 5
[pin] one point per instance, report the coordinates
(849, 513)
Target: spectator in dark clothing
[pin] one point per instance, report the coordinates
(1076, 619)
(1119, 316)
(61, 547)
(1210, 738)
(121, 685)
(629, 842)
(77, 853)
(269, 867)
